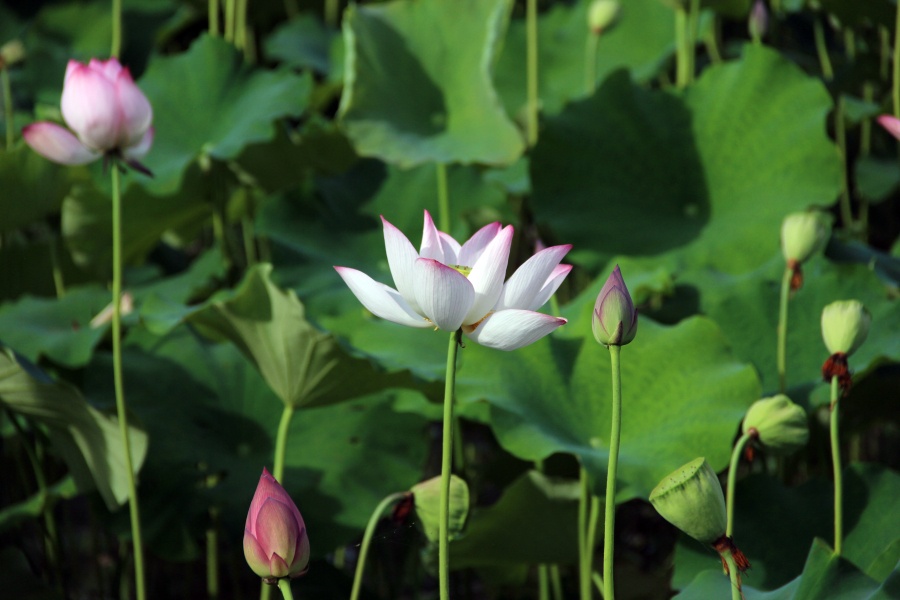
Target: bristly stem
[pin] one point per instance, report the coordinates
(531, 26)
(446, 466)
(734, 575)
(7, 106)
(732, 478)
(284, 584)
(212, 9)
(116, 29)
(584, 553)
(367, 540)
(443, 198)
(836, 463)
(781, 351)
(609, 523)
(590, 62)
(682, 60)
(822, 50)
(591, 539)
(133, 508)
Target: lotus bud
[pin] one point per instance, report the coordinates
(615, 318)
(275, 540)
(602, 14)
(802, 235)
(845, 325)
(691, 499)
(758, 22)
(427, 498)
(779, 424)
(891, 124)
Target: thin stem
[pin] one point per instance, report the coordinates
(367, 540)
(732, 478)
(443, 198)
(446, 466)
(281, 443)
(543, 582)
(590, 62)
(734, 575)
(212, 9)
(240, 24)
(591, 540)
(822, 50)
(531, 28)
(332, 10)
(58, 282)
(583, 552)
(230, 10)
(212, 554)
(712, 41)
(896, 87)
(284, 584)
(609, 524)
(693, 24)
(7, 107)
(781, 351)
(248, 234)
(836, 462)
(841, 139)
(598, 581)
(682, 60)
(116, 29)
(865, 128)
(134, 510)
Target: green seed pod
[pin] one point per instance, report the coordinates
(691, 499)
(602, 14)
(427, 497)
(845, 325)
(803, 234)
(780, 424)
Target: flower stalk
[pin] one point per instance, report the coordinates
(7, 104)
(367, 540)
(732, 478)
(610, 508)
(531, 25)
(781, 356)
(447, 465)
(116, 29)
(584, 553)
(284, 585)
(836, 464)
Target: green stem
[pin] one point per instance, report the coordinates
(734, 575)
(822, 50)
(446, 466)
(212, 9)
(598, 581)
(212, 554)
(836, 462)
(584, 561)
(240, 24)
(732, 478)
(443, 198)
(590, 62)
(531, 26)
(248, 234)
(712, 41)
(284, 584)
(281, 443)
(134, 510)
(896, 84)
(543, 582)
(781, 351)
(682, 60)
(865, 128)
(591, 539)
(367, 540)
(116, 29)
(609, 524)
(332, 10)
(841, 139)
(556, 583)
(230, 10)
(58, 282)
(693, 24)
(7, 107)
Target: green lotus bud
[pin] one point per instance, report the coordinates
(691, 499)
(803, 234)
(781, 426)
(845, 325)
(427, 495)
(602, 15)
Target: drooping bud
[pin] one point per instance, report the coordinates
(615, 318)
(427, 497)
(691, 499)
(779, 424)
(802, 235)
(845, 325)
(602, 14)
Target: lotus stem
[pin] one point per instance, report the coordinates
(367, 540)
(284, 584)
(7, 106)
(531, 25)
(443, 198)
(212, 9)
(732, 477)
(609, 523)
(590, 62)
(836, 462)
(584, 553)
(781, 350)
(446, 466)
(116, 29)
(734, 575)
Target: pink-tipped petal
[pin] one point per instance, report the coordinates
(450, 248)
(108, 68)
(135, 111)
(443, 293)
(381, 300)
(277, 530)
(57, 144)
(891, 124)
(550, 286)
(473, 247)
(90, 107)
(255, 555)
(401, 255)
(527, 282)
(267, 488)
(512, 329)
(431, 241)
(488, 274)
(142, 147)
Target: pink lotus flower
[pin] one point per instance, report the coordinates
(615, 318)
(107, 112)
(275, 541)
(891, 124)
(447, 286)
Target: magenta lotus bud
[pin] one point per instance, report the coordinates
(891, 124)
(615, 317)
(275, 541)
(106, 111)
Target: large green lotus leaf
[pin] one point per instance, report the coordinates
(640, 42)
(213, 419)
(710, 172)
(495, 535)
(303, 43)
(684, 394)
(207, 102)
(746, 308)
(418, 82)
(87, 440)
(775, 540)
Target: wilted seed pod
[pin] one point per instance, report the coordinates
(602, 15)
(845, 325)
(803, 234)
(691, 499)
(427, 498)
(781, 426)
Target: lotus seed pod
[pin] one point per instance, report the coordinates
(427, 498)
(845, 325)
(691, 499)
(803, 234)
(602, 14)
(781, 426)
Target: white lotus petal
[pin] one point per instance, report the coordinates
(381, 300)
(431, 241)
(527, 282)
(512, 329)
(488, 274)
(443, 293)
(550, 286)
(401, 255)
(475, 245)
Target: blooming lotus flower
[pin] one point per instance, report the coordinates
(615, 318)
(107, 112)
(275, 541)
(448, 285)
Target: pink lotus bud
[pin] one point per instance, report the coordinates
(615, 318)
(106, 111)
(275, 541)
(891, 125)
